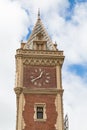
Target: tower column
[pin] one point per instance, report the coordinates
(59, 101)
(18, 91)
(58, 75)
(19, 72)
(60, 112)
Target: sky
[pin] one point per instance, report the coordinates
(66, 23)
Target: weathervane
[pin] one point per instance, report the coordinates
(66, 123)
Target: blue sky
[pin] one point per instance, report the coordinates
(66, 23)
(71, 7)
(78, 69)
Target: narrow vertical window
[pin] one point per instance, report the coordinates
(39, 112)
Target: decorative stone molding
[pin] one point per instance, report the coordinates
(42, 91)
(18, 90)
(34, 57)
(25, 52)
(41, 61)
(23, 123)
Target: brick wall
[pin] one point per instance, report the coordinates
(28, 113)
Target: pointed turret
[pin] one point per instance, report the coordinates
(38, 30)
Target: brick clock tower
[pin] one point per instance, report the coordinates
(38, 84)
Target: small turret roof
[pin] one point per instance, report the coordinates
(39, 28)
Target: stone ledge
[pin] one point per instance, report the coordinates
(42, 91)
(33, 52)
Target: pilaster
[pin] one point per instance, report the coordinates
(18, 91)
(58, 75)
(60, 112)
(19, 72)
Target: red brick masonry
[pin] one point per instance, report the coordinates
(28, 113)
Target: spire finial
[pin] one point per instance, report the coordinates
(38, 13)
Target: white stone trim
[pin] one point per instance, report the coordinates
(44, 111)
(41, 90)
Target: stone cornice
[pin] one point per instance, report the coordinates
(25, 52)
(42, 91)
(43, 58)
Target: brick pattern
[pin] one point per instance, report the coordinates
(48, 79)
(28, 113)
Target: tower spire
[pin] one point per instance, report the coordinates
(38, 14)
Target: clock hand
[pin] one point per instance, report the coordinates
(41, 74)
(37, 77)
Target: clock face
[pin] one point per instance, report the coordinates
(39, 76)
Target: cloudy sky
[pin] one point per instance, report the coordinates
(66, 23)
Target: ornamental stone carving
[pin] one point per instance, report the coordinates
(18, 90)
(43, 62)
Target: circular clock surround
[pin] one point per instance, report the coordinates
(38, 77)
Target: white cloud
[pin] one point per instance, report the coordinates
(75, 100)
(44, 4)
(71, 37)
(45, 7)
(13, 25)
